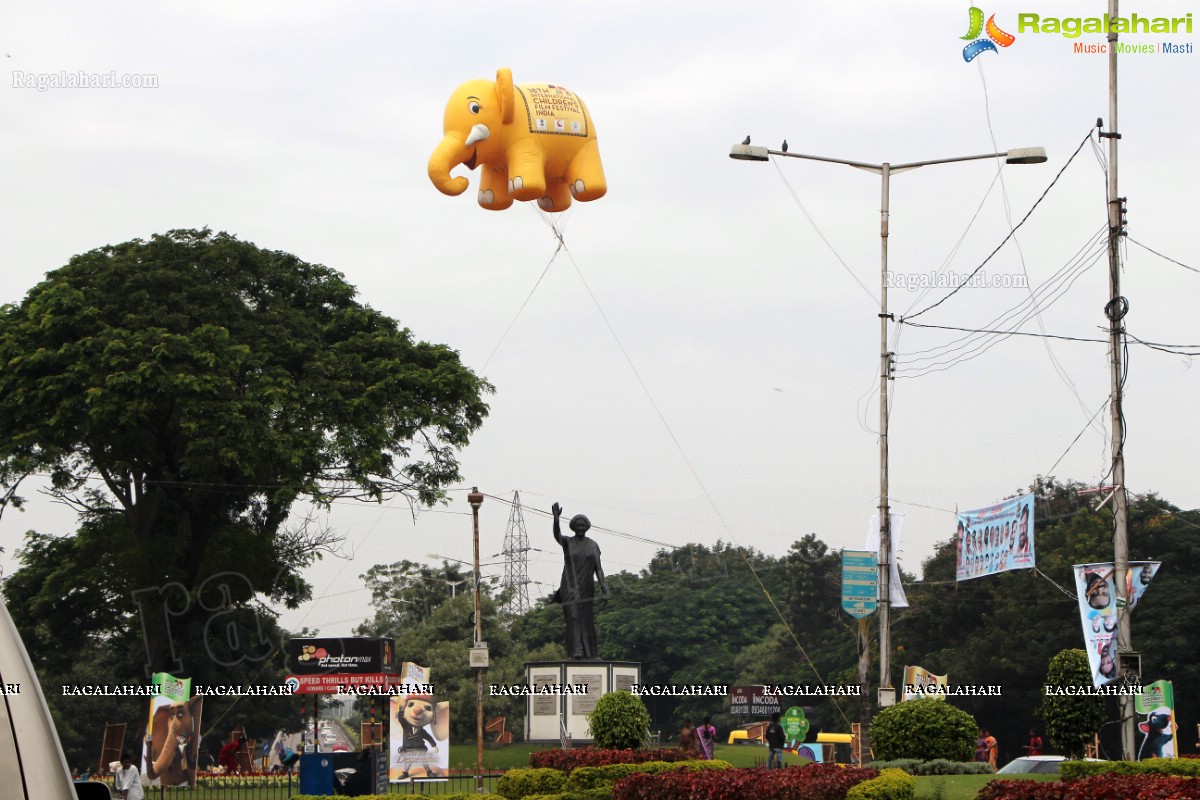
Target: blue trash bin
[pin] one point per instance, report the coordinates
(316, 774)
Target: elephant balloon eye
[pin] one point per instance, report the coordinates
(473, 106)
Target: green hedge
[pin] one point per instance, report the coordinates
(937, 766)
(1075, 770)
(601, 793)
(518, 783)
(892, 784)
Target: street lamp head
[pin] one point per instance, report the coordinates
(1026, 155)
(475, 498)
(748, 152)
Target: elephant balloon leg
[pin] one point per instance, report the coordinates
(557, 197)
(526, 171)
(493, 189)
(585, 174)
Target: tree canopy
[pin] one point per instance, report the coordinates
(182, 394)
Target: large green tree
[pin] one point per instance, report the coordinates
(183, 393)
(404, 593)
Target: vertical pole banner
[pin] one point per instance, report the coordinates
(172, 744)
(1095, 585)
(995, 539)
(1157, 730)
(419, 729)
(895, 526)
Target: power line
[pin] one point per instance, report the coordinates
(1008, 333)
(1160, 255)
(977, 346)
(811, 221)
(1103, 406)
(1083, 258)
(1012, 232)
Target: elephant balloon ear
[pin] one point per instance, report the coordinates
(505, 94)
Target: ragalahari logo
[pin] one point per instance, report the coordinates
(995, 36)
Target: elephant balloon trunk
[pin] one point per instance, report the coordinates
(450, 152)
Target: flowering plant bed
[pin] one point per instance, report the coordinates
(1101, 787)
(812, 782)
(567, 760)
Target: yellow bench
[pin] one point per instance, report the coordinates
(744, 737)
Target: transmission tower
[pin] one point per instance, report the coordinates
(516, 559)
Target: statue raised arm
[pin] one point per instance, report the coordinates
(577, 590)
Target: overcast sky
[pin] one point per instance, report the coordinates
(702, 362)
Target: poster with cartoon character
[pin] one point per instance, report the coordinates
(420, 733)
(172, 744)
(1155, 707)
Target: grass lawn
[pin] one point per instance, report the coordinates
(514, 756)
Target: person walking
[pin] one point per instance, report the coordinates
(687, 738)
(707, 735)
(775, 742)
(992, 747)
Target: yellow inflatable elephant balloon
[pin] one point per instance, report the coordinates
(534, 141)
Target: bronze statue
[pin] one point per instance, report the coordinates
(577, 593)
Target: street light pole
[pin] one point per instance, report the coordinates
(1115, 310)
(1026, 155)
(475, 498)
(885, 375)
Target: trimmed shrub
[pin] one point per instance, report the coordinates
(938, 766)
(1077, 770)
(892, 784)
(568, 760)
(601, 793)
(597, 793)
(1071, 720)
(909, 765)
(518, 783)
(619, 720)
(924, 729)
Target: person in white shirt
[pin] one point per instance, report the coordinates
(128, 780)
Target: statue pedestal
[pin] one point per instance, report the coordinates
(571, 691)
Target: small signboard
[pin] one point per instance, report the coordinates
(347, 656)
(795, 724)
(754, 701)
(383, 683)
(860, 579)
